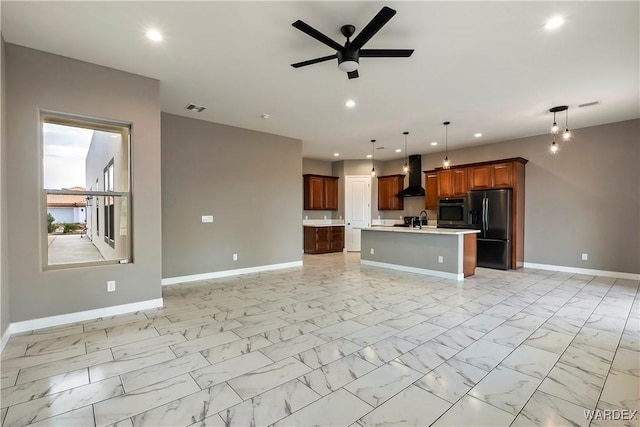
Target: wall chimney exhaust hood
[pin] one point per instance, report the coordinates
(415, 178)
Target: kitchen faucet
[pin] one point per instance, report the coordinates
(426, 217)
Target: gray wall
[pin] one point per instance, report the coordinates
(585, 199)
(249, 181)
(318, 167)
(40, 81)
(4, 272)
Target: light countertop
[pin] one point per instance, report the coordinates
(323, 225)
(425, 230)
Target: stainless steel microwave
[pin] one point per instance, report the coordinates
(452, 212)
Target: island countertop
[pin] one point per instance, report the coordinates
(429, 229)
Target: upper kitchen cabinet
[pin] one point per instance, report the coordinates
(320, 192)
(498, 175)
(431, 190)
(452, 182)
(388, 188)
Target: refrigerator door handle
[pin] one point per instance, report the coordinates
(486, 215)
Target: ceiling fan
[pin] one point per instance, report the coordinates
(349, 55)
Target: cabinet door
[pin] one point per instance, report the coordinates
(431, 194)
(313, 192)
(480, 177)
(337, 239)
(445, 188)
(502, 173)
(331, 194)
(459, 182)
(384, 191)
(323, 242)
(388, 188)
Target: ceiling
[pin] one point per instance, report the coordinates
(487, 67)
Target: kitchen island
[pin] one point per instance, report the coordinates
(442, 252)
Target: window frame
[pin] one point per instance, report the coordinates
(125, 130)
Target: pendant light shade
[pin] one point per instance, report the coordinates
(373, 149)
(554, 146)
(446, 163)
(567, 133)
(406, 154)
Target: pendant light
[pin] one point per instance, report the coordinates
(373, 149)
(446, 163)
(406, 154)
(567, 133)
(554, 146)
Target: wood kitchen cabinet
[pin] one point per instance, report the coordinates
(503, 173)
(431, 193)
(320, 192)
(388, 188)
(452, 182)
(497, 175)
(323, 239)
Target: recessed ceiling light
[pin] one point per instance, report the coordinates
(554, 23)
(477, 135)
(350, 103)
(336, 154)
(434, 143)
(368, 156)
(398, 150)
(265, 116)
(154, 35)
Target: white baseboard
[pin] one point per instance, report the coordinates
(227, 273)
(5, 338)
(63, 319)
(425, 271)
(564, 269)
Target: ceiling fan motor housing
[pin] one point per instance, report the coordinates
(348, 57)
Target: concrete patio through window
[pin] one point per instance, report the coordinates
(72, 249)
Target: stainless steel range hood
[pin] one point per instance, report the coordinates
(415, 178)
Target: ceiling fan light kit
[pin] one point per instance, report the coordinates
(349, 55)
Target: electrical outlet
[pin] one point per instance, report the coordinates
(306, 217)
(111, 286)
(235, 257)
(585, 257)
(207, 218)
(440, 259)
(372, 251)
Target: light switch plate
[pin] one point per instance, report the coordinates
(207, 218)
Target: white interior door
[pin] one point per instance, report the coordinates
(357, 209)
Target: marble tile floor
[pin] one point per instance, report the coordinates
(340, 344)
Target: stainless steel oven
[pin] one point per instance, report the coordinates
(452, 212)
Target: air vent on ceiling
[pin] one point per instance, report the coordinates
(194, 107)
(588, 104)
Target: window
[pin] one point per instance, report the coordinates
(80, 154)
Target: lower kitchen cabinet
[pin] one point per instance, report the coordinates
(320, 240)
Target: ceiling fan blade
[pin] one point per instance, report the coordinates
(385, 53)
(309, 30)
(314, 61)
(353, 74)
(373, 27)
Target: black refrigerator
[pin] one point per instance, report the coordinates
(490, 212)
